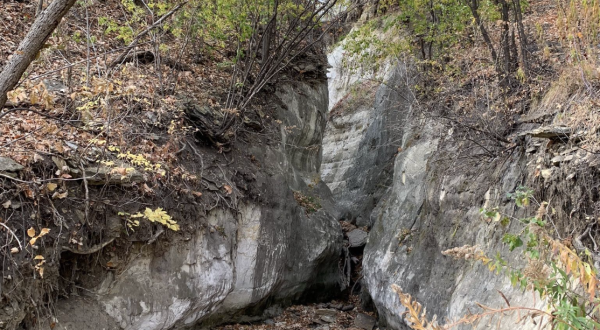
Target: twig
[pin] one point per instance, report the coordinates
(143, 33)
(181, 150)
(355, 283)
(70, 65)
(201, 160)
(38, 181)
(36, 112)
(87, 194)
(14, 179)
(160, 231)
(91, 250)
(13, 234)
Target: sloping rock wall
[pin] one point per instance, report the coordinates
(395, 170)
(362, 135)
(270, 252)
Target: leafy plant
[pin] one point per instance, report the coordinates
(309, 203)
(558, 274)
(521, 196)
(158, 215)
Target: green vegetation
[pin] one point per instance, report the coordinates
(309, 203)
(558, 274)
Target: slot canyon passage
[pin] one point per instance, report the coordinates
(358, 183)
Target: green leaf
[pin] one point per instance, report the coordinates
(512, 240)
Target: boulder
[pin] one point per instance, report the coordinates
(357, 238)
(9, 165)
(364, 321)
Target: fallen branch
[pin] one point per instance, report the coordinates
(91, 250)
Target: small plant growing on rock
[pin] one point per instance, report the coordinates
(159, 215)
(309, 203)
(567, 282)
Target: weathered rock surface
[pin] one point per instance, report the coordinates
(357, 238)
(364, 321)
(269, 251)
(400, 164)
(361, 137)
(9, 165)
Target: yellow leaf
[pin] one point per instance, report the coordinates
(44, 231)
(6, 204)
(39, 257)
(51, 186)
(41, 271)
(33, 98)
(14, 250)
(32, 241)
(31, 232)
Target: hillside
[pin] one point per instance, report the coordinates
(187, 165)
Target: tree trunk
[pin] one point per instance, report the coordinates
(474, 7)
(40, 31)
(522, 37)
(505, 37)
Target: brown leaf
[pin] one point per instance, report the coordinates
(147, 190)
(119, 170)
(14, 250)
(29, 193)
(59, 147)
(6, 204)
(197, 193)
(41, 271)
(60, 195)
(228, 189)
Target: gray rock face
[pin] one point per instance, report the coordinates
(362, 136)
(364, 321)
(357, 238)
(9, 165)
(269, 251)
(427, 204)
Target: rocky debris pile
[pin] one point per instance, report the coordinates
(329, 316)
